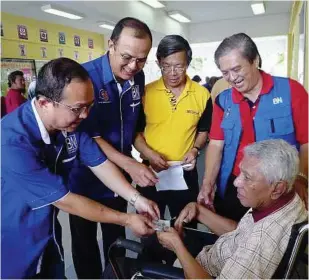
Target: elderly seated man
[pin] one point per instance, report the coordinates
(254, 247)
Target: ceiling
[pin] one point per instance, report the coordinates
(111, 11)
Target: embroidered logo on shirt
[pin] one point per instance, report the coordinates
(71, 143)
(103, 95)
(133, 105)
(192, 112)
(135, 92)
(277, 100)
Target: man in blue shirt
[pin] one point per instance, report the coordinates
(118, 82)
(40, 145)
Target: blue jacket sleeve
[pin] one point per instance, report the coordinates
(90, 153)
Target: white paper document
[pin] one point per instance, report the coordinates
(172, 178)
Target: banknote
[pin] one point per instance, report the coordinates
(161, 225)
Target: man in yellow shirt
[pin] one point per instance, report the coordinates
(176, 123)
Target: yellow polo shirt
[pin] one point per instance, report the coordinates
(171, 125)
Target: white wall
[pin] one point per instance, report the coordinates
(259, 26)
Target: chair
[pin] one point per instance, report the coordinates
(294, 254)
(121, 266)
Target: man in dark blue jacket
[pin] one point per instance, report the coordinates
(118, 82)
(40, 145)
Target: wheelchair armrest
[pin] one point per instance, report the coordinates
(161, 271)
(129, 244)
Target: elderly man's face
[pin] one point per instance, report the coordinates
(252, 188)
(238, 71)
(173, 68)
(128, 54)
(77, 100)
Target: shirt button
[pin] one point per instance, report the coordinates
(253, 107)
(253, 118)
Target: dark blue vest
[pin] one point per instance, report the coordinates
(273, 120)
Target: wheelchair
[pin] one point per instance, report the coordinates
(294, 257)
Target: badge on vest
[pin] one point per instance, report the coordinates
(71, 143)
(135, 92)
(277, 100)
(104, 97)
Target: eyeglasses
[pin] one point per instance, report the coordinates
(129, 59)
(76, 110)
(169, 68)
(126, 58)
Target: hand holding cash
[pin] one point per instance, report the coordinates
(162, 225)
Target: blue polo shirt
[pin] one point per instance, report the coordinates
(113, 117)
(34, 172)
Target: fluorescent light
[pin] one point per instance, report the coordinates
(258, 8)
(107, 26)
(50, 10)
(179, 17)
(153, 3)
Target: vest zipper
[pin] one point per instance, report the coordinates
(54, 214)
(121, 119)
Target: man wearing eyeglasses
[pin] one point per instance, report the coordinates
(178, 116)
(118, 82)
(40, 146)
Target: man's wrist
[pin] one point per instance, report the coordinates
(197, 149)
(134, 198)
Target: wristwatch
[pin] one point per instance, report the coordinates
(198, 150)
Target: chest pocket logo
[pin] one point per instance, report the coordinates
(71, 144)
(135, 93)
(193, 112)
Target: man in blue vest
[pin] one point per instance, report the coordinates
(40, 145)
(118, 82)
(257, 107)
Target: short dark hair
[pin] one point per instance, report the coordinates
(55, 75)
(141, 29)
(171, 44)
(242, 42)
(12, 77)
(196, 78)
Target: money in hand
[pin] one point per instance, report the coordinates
(162, 225)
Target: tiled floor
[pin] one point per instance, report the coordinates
(63, 218)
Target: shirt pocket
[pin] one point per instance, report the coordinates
(280, 123)
(228, 130)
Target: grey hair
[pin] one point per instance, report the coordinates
(278, 160)
(242, 42)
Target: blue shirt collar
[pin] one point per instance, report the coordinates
(108, 73)
(44, 133)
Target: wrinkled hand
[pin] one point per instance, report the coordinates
(206, 196)
(169, 239)
(157, 162)
(147, 208)
(301, 187)
(140, 173)
(190, 157)
(187, 214)
(140, 225)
